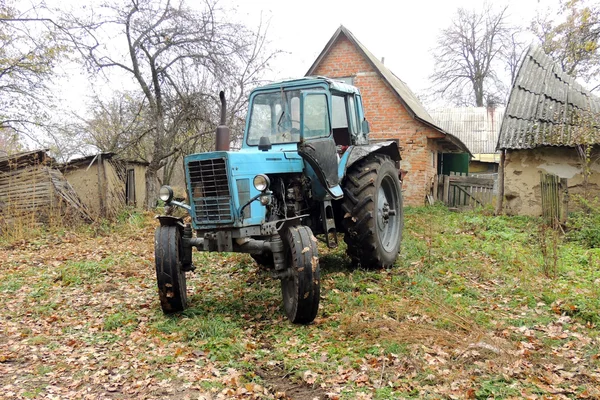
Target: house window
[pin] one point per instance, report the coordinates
(130, 188)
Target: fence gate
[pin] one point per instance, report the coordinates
(466, 191)
(554, 191)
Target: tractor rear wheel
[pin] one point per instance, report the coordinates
(301, 286)
(373, 216)
(168, 250)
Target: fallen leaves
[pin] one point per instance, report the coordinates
(83, 321)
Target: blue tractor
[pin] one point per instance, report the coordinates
(305, 168)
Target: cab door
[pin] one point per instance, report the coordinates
(317, 146)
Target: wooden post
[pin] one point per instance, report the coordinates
(435, 187)
(101, 194)
(499, 204)
(565, 200)
(446, 192)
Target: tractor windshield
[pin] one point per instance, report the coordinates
(276, 116)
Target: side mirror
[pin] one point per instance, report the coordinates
(365, 126)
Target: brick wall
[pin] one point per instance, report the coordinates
(387, 117)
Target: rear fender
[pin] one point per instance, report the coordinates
(356, 153)
(168, 220)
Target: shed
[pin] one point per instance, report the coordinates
(393, 111)
(549, 120)
(106, 184)
(32, 187)
(478, 129)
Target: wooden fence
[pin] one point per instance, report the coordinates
(554, 198)
(458, 191)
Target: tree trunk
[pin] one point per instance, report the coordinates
(478, 89)
(169, 168)
(151, 186)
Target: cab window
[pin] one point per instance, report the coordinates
(316, 116)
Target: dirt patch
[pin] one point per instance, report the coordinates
(278, 381)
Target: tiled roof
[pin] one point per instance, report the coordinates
(542, 104)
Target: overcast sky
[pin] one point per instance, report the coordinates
(404, 32)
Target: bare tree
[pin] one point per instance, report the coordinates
(469, 55)
(28, 53)
(123, 125)
(9, 142)
(177, 57)
(512, 54)
(117, 125)
(575, 41)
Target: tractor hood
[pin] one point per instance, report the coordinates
(220, 184)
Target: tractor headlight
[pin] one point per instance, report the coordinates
(265, 199)
(261, 182)
(165, 194)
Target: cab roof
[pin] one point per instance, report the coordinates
(309, 81)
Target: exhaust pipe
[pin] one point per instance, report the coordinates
(222, 140)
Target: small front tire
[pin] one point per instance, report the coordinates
(301, 287)
(170, 277)
(264, 260)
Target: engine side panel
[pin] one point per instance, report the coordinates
(220, 183)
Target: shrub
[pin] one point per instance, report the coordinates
(584, 225)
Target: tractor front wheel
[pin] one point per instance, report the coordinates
(168, 251)
(300, 286)
(373, 216)
(264, 260)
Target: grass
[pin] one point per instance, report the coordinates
(119, 319)
(469, 310)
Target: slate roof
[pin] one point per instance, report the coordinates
(405, 95)
(476, 127)
(541, 106)
(24, 159)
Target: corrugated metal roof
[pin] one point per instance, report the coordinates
(542, 103)
(406, 96)
(476, 127)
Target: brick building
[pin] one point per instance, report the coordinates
(393, 111)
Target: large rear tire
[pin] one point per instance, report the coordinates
(373, 216)
(168, 251)
(301, 287)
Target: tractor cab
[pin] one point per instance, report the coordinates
(304, 110)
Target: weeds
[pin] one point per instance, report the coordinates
(584, 224)
(549, 240)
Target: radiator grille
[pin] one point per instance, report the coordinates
(210, 190)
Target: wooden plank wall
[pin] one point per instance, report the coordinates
(38, 191)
